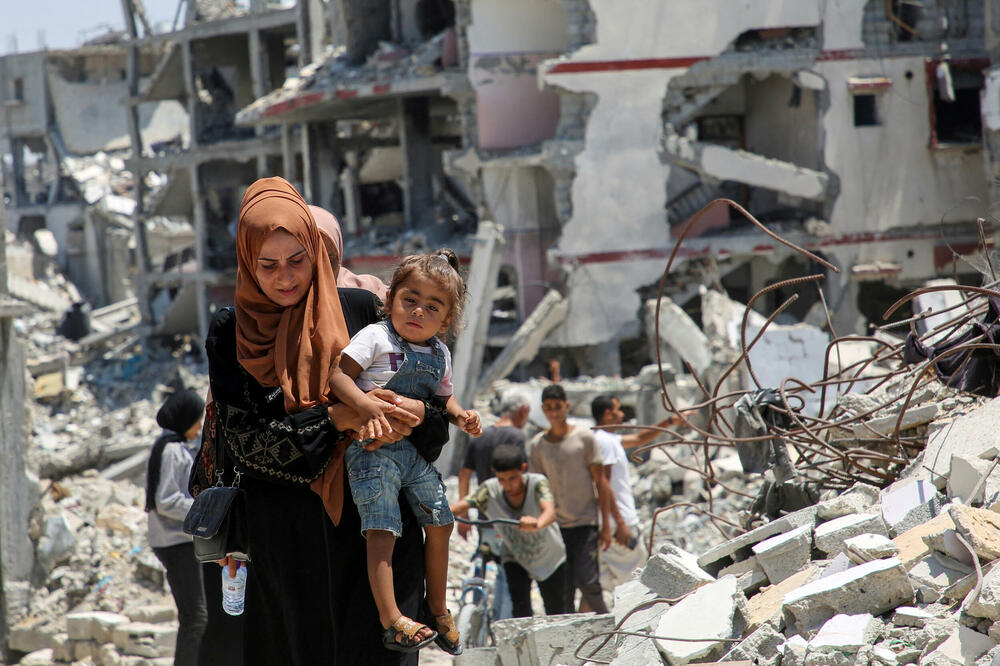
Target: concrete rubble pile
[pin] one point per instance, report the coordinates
(895, 567)
(897, 575)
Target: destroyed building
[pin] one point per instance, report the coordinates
(567, 149)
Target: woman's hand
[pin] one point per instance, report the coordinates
(231, 562)
(407, 415)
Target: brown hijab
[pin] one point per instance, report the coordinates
(329, 228)
(291, 347)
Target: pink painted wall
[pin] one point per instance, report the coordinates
(511, 110)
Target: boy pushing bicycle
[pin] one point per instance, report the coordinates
(533, 550)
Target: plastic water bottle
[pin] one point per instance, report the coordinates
(234, 590)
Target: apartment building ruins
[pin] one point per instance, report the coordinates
(591, 131)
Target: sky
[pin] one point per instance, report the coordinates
(31, 25)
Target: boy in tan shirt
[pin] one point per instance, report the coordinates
(571, 459)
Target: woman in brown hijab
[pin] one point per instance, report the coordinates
(272, 424)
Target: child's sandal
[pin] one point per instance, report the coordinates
(408, 642)
(448, 638)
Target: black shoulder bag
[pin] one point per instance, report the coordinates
(217, 519)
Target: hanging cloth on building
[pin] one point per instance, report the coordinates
(973, 370)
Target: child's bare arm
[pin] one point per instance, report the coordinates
(466, 419)
(371, 410)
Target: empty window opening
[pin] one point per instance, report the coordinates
(17, 90)
(865, 110)
(956, 107)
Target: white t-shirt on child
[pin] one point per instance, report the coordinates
(379, 357)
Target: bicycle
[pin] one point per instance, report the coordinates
(475, 598)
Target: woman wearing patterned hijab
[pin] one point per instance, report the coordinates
(272, 421)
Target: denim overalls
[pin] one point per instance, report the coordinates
(377, 477)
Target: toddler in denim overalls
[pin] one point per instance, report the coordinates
(404, 355)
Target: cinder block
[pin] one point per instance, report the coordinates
(31, 638)
(785, 554)
(156, 614)
(963, 646)
(93, 625)
(829, 537)
(716, 611)
(846, 633)
(868, 547)
(144, 640)
(859, 498)
(549, 639)
(909, 503)
(673, 572)
(873, 587)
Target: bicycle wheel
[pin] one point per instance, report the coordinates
(470, 622)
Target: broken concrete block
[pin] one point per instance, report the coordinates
(846, 633)
(715, 558)
(481, 656)
(673, 572)
(62, 648)
(908, 503)
(946, 543)
(636, 651)
(970, 434)
(85, 650)
(911, 543)
(859, 498)
(144, 639)
(157, 614)
(886, 425)
(785, 554)
(829, 537)
(679, 334)
(841, 562)
(550, 639)
(964, 476)
(30, 637)
(980, 528)
(93, 625)
(963, 646)
(794, 651)
(987, 602)
(765, 606)
(883, 655)
(762, 645)
(868, 547)
(873, 587)
(931, 578)
(911, 616)
(716, 610)
(749, 573)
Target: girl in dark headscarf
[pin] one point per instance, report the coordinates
(167, 502)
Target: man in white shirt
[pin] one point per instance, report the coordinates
(628, 550)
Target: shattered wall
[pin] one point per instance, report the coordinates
(505, 51)
(888, 176)
(23, 114)
(793, 69)
(90, 116)
(619, 193)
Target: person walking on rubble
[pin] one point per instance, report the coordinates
(514, 409)
(534, 549)
(571, 459)
(270, 359)
(167, 503)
